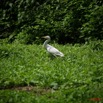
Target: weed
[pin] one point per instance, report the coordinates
(75, 78)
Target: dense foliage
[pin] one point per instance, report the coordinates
(76, 78)
(66, 20)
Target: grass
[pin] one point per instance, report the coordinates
(77, 77)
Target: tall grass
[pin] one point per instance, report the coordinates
(75, 78)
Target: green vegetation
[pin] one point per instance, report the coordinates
(28, 75)
(66, 20)
(76, 78)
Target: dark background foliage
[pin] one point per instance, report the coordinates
(68, 21)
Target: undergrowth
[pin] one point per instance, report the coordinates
(76, 77)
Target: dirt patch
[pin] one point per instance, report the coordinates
(34, 89)
(24, 88)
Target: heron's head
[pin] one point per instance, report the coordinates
(46, 37)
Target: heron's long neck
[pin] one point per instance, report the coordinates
(45, 43)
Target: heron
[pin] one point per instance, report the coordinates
(50, 49)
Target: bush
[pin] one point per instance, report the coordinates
(66, 21)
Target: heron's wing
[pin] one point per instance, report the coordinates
(54, 51)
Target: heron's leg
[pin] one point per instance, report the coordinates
(51, 56)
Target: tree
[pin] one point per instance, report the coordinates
(67, 21)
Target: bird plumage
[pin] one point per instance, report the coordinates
(52, 50)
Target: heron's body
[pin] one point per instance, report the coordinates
(52, 50)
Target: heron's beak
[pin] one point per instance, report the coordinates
(44, 37)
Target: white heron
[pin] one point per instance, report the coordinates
(52, 50)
